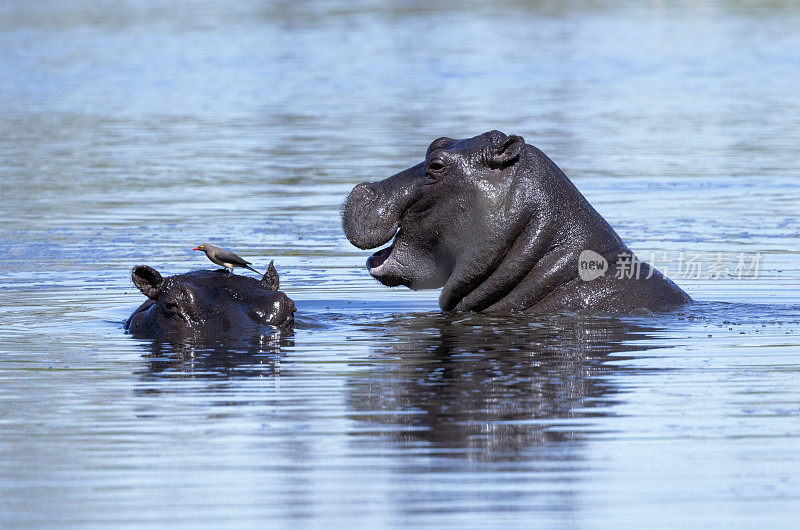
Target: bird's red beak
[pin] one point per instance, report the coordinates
(197, 248)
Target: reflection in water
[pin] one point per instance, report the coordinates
(251, 356)
(490, 387)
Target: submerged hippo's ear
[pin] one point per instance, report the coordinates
(270, 278)
(147, 279)
(507, 152)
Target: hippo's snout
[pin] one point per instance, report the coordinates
(363, 190)
(367, 219)
(372, 212)
(288, 309)
(278, 312)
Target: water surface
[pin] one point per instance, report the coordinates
(132, 131)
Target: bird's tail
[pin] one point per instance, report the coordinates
(252, 269)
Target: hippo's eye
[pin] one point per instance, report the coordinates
(435, 169)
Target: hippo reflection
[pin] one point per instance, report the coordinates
(208, 303)
(488, 387)
(500, 227)
(256, 355)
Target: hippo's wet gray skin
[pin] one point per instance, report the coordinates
(500, 227)
(208, 304)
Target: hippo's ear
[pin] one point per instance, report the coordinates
(270, 278)
(147, 279)
(507, 152)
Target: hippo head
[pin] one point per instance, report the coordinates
(448, 218)
(208, 303)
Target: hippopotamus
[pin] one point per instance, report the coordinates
(499, 227)
(208, 303)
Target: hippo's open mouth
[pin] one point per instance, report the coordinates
(384, 266)
(376, 261)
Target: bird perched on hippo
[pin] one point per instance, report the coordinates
(496, 224)
(208, 304)
(225, 258)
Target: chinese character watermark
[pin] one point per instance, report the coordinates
(688, 265)
(628, 267)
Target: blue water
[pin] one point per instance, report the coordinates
(132, 131)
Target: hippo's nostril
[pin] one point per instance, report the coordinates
(364, 190)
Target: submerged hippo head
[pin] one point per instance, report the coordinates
(208, 303)
(495, 222)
